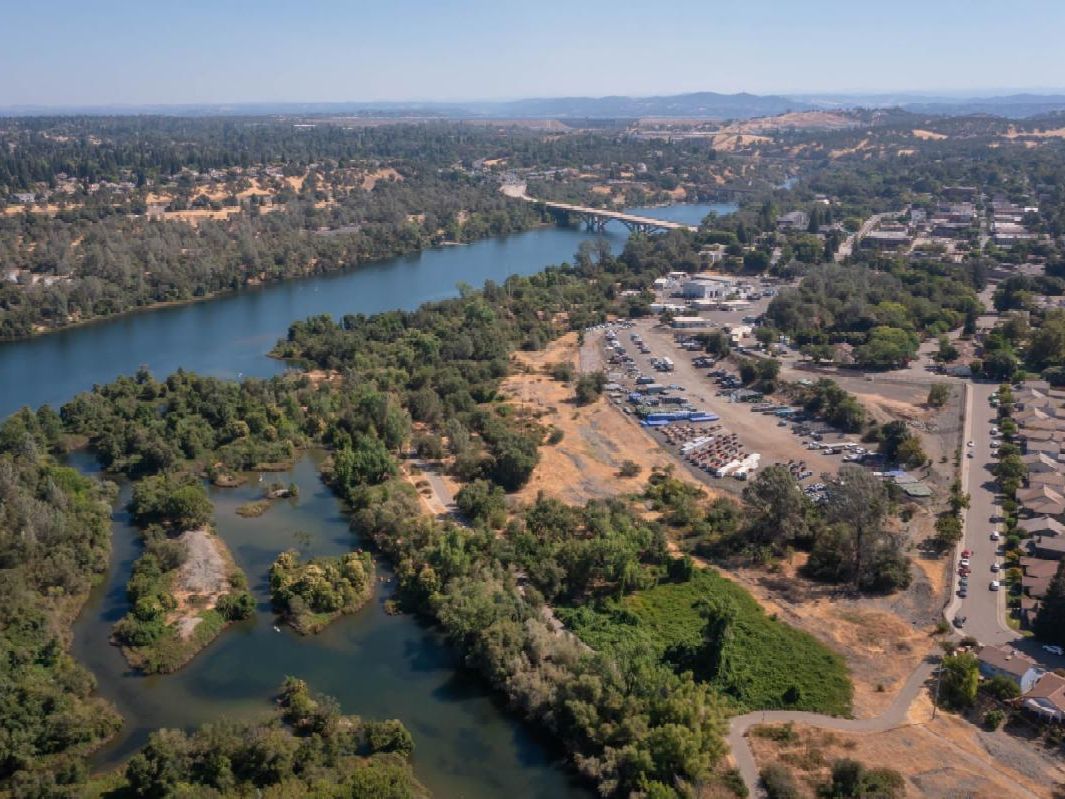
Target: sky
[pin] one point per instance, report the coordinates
(105, 52)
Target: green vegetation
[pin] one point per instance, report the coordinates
(54, 542)
(853, 780)
(716, 629)
(159, 634)
(959, 681)
(307, 749)
(879, 312)
(310, 595)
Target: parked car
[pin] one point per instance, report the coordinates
(966, 553)
(959, 621)
(1054, 650)
(993, 586)
(995, 536)
(995, 567)
(965, 563)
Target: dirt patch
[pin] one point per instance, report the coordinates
(942, 758)
(596, 439)
(928, 135)
(201, 580)
(373, 178)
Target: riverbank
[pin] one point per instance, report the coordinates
(252, 284)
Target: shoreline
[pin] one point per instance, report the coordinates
(163, 304)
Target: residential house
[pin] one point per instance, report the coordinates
(1041, 500)
(1038, 572)
(1051, 548)
(1005, 661)
(1046, 698)
(1040, 463)
(1041, 526)
(1055, 480)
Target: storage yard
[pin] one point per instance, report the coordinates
(696, 408)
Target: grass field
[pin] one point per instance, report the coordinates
(763, 663)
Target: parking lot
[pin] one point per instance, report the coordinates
(690, 403)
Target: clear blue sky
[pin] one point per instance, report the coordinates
(195, 51)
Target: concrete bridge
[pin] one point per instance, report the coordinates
(596, 218)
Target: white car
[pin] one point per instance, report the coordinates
(993, 586)
(1054, 650)
(965, 563)
(968, 443)
(995, 567)
(995, 536)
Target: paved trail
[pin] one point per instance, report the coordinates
(894, 716)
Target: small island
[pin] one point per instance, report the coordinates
(185, 587)
(310, 595)
(273, 492)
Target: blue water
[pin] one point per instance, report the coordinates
(229, 335)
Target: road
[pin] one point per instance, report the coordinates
(893, 716)
(984, 609)
(846, 248)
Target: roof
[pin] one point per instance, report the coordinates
(1055, 480)
(1034, 458)
(1051, 543)
(1041, 525)
(1047, 695)
(1006, 659)
(916, 490)
(1039, 567)
(1036, 586)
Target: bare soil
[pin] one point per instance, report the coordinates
(943, 758)
(201, 580)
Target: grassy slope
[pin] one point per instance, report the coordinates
(768, 657)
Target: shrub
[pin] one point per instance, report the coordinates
(993, 719)
(778, 782)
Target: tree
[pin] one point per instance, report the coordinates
(887, 347)
(590, 387)
(938, 394)
(959, 680)
(778, 507)
(1049, 624)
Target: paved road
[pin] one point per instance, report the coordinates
(984, 609)
(894, 716)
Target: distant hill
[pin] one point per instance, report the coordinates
(704, 105)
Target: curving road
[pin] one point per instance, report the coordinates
(894, 716)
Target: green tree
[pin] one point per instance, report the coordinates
(1049, 625)
(959, 680)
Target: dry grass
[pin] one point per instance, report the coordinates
(596, 440)
(928, 135)
(373, 178)
(942, 758)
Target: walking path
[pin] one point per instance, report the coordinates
(894, 716)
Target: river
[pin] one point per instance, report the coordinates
(227, 336)
(376, 665)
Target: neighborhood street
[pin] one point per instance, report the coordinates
(985, 610)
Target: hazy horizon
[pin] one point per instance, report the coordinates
(272, 52)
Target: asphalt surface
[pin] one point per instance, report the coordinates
(985, 610)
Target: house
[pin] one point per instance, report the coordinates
(1041, 526)
(1046, 698)
(1038, 572)
(1005, 661)
(793, 220)
(1054, 480)
(1042, 500)
(1050, 548)
(1040, 462)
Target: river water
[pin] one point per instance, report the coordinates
(228, 336)
(376, 665)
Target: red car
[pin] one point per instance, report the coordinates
(966, 553)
